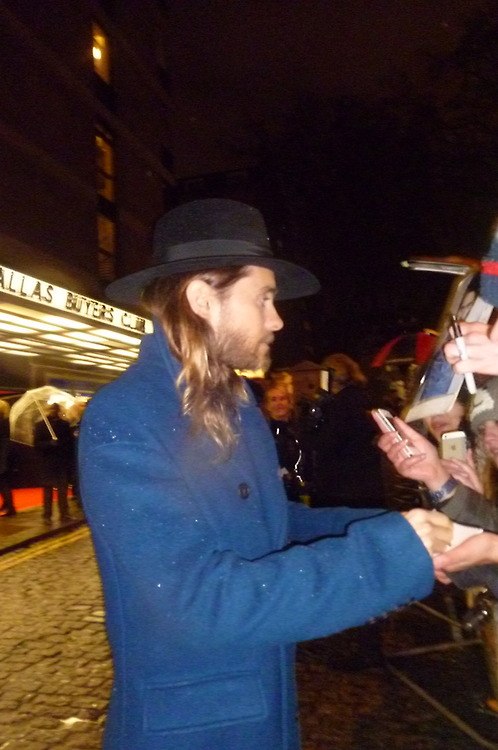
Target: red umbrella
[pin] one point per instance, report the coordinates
(415, 346)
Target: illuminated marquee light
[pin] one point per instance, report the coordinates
(10, 328)
(37, 325)
(28, 288)
(11, 345)
(113, 367)
(115, 336)
(17, 353)
(61, 339)
(85, 361)
(43, 345)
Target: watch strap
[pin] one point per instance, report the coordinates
(438, 497)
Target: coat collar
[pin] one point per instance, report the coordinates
(155, 346)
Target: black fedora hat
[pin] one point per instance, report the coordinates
(212, 233)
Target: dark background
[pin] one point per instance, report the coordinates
(368, 134)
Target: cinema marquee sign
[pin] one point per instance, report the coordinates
(41, 292)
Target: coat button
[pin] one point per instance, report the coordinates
(244, 490)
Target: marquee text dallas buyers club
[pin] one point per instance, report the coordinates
(36, 290)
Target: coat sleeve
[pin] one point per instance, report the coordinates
(307, 523)
(168, 562)
(470, 507)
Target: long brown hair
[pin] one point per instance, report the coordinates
(209, 389)
(486, 468)
(353, 370)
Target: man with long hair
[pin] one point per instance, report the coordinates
(210, 575)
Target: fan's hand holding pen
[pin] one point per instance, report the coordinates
(481, 346)
(456, 333)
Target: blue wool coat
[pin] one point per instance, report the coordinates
(210, 574)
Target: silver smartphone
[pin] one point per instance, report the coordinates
(386, 424)
(454, 445)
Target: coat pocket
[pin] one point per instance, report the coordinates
(204, 703)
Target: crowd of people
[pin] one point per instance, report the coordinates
(228, 528)
(465, 489)
(7, 508)
(54, 456)
(326, 442)
(339, 453)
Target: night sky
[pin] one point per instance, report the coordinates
(243, 62)
(244, 58)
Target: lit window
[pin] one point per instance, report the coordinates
(105, 164)
(101, 53)
(106, 231)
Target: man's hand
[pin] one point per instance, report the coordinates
(481, 342)
(424, 466)
(434, 529)
(481, 549)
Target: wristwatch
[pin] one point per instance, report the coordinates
(438, 497)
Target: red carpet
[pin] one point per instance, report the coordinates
(30, 497)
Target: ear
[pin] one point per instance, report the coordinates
(201, 298)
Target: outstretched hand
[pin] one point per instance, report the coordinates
(481, 549)
(434, 529)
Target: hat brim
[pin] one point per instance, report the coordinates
(292, 281)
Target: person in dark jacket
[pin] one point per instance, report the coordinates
(210, 574)
(53, 440)
(346, 467)
(75, 424)
(7, 508)
(277, 406)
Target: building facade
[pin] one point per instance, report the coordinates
(85, 169)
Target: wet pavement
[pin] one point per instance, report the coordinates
(350, 700)
(56, 673)
(28, 526)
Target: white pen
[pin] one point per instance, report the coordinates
(462, 350)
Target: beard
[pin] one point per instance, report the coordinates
(237, 351)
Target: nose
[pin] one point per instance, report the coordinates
(274, 322)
